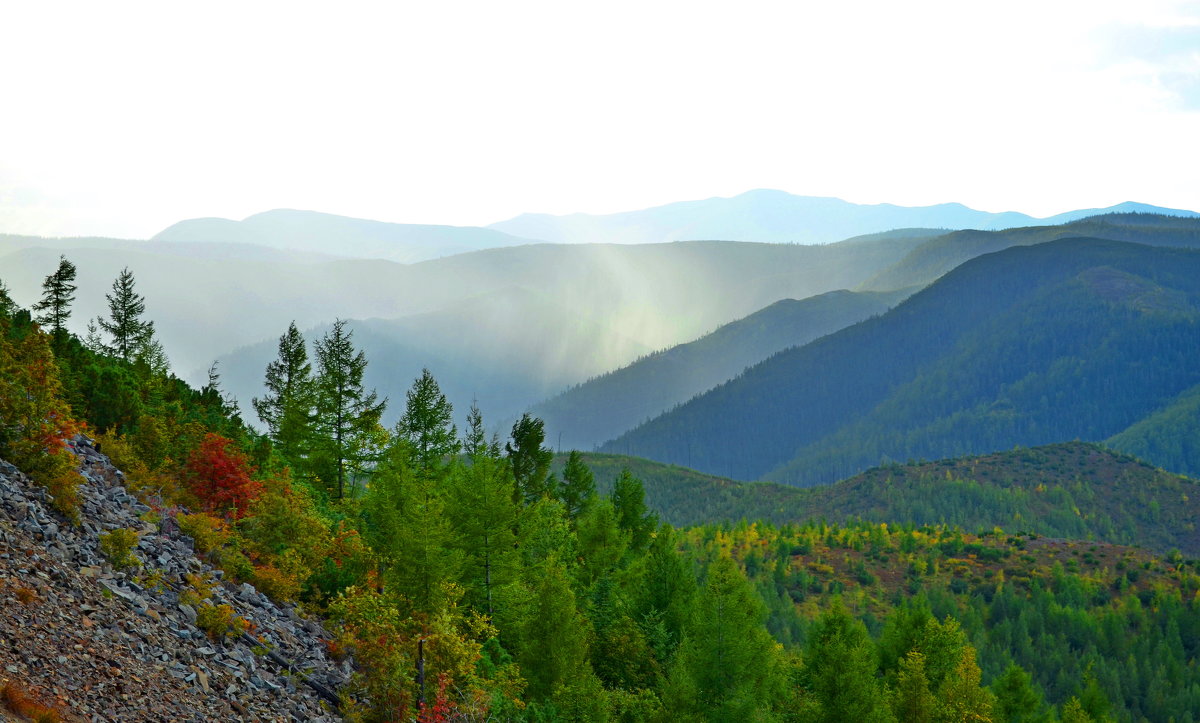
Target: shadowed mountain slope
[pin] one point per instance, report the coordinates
(1070, 339)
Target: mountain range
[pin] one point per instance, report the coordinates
(1076, 338)
(772, 216)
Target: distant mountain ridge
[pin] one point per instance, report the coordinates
(313, 232)
(766, 216)
(771, 216)
(1076, 338)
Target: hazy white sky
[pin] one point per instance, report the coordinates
(121, 118)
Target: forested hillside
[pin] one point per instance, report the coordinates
(548, 597)
(1074, 490)
(934, 258)
(602, 408)
(1069, 339)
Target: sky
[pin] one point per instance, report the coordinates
(121, 118)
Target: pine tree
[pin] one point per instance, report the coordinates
(530, 461)
(287, 408)
(58, 292)
(125, 306)
(426, 426)
(347, 414)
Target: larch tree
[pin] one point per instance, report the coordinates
(347, 414)
(578, 485)
(287, 407)
(125, 324)
(529, 460)
(727, 667)
(426, 425)
(58, 291)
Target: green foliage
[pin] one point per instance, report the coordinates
(578, 485)
(426, 427)
(629, 500)
(348, 432)
(727, 667)
(130, 333)
(529, 460)
(287, 407)
(58, 292)
(554, 641)
(220, 621)
(117, 547)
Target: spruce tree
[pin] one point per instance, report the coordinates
(287, 407)
(58, 292)
(125, 324)
(347, 414)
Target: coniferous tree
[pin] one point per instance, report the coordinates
(578, 485)
(58, 292)
(727, 667)
(287, 408)
(475, 442)
(426, 426)
(1016, 699)
(125, 324)
(555, 646)
(530, 461)
(838, 679)
(347, 414)
(484, 515)
(7, 306)
(629, 498)
(412, 531)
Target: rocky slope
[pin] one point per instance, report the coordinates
(97, 645)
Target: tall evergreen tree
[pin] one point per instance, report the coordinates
(7, 306)
(555, 642)
(629, 498)
(530, 461)
(838, 679)
(58, 292)
(475, 442)
(287, 408)
(426, 426)
(125, 324)
(412, 530)
(727, 667)
(347, 414)
(578, 485)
